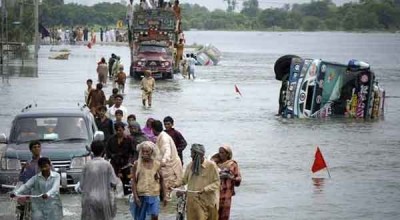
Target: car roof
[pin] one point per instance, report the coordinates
(52, 112)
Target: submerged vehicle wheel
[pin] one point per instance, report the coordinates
(282, 66)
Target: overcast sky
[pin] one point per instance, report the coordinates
(213, 4)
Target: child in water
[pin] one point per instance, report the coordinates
(46, 185)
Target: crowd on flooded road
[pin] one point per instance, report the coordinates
(147, 164)
(144, 164)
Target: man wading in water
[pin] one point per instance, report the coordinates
(147, 183)
(96, 183)
(201, 175)
(119, 151)
(148, 85)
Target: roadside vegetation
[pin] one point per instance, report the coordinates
(367, 15)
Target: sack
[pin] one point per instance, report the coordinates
(119, 191)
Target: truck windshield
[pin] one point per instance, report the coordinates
(152, 49)
(49, 129)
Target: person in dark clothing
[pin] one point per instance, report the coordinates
(96, 98)
(85, 34)
(30, 169)
(111, 99)
(137, 136)
(161, 3)
(104, 124)
(101, 34)
(111, 62)
(119, 151)
(178, 138)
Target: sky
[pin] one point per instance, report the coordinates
(214, 4)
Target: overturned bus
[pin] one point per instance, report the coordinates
(314, 88)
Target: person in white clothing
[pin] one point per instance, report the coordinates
(117, 106)
(107, 35)
(171, 166)
(192, 62)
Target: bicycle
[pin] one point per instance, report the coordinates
(181, 203)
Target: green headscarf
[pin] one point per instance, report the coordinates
(199, 152)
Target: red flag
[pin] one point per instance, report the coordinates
(237, 90)
(319, 162)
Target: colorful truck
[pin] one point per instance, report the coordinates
(313, 88)
(152, 39)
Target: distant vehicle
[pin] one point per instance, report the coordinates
(208, 55)
(152, 39)
(313, 88)
(65, 135)
(154, 57)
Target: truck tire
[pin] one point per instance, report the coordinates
(282, 66)
(170, 75)
(137, 76)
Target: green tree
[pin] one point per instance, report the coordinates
(272, 17)
(250, 8)
(311, 23)
(349, 21)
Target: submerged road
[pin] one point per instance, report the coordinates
(275, 155)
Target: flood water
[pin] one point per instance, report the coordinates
(275, 155)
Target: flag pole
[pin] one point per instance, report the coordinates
(327, 169)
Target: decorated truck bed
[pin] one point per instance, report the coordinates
(314, 88)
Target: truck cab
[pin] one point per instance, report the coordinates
(154, 57)
(314, 88)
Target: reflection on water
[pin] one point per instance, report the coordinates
(275, 155)
(17, 68)
(318, 185)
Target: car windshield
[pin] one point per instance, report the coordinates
(152, 49)
(49, 129)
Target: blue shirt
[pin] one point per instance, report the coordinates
(31, 169)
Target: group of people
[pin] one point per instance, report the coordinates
(75, 34)
(188, 64)
(155, 170)
(148, 4)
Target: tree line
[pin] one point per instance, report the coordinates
(366, 15)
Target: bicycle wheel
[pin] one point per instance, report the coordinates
(180, 216)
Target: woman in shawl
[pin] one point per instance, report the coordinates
(148, 131)
(230, 178)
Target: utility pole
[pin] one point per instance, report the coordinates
(21, 14)
(3, 14)
(36, 15)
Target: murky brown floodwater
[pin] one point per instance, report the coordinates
(275, 155)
